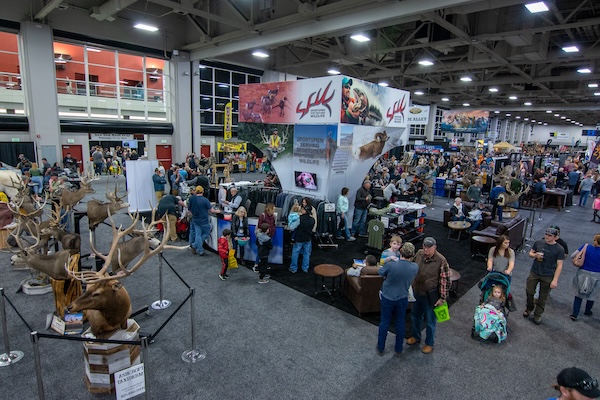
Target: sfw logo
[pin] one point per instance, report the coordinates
(319, 100)
(398, 107)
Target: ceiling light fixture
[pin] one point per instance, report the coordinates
(359, 37)
(426, 63)
(466, 105)
(527, 103)
(445, 99)
(569, 119)
(563, 117)
(557, 115)
(570, 49)
(533, 120)
(384, 84)
(518, 117)
(592, 85)
(333, 70)
(513, 97)
(525, 119)
(508, 115)
(540, 6)
(539, 123)
(466, 78)
(597, 94)
(419, 92)
(545, 123)
(584, 70)
(548, 111)
(493, 89)
(260, 54)
(145, 27)
(496, 112)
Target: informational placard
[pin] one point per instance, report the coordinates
(418, 115)
(130, 382)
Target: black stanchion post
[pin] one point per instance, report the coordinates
(35, 340)
(160, 304)
(194, 354)
(145, 359)
(9, 357)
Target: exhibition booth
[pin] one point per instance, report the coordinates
(320, 135)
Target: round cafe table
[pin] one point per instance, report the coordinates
(457, 226)
(331, 271)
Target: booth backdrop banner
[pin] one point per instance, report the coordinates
(327, 100)
(418, 115)
(594, 151)
(308, 101)
(465, 121)
(260, 136)
(139, 180)
(235, 147)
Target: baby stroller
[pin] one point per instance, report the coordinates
(489, 323)
(183, 229)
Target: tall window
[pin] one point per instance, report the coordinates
(438, 122)
(217, 88)
(94, 82)
(12, 99)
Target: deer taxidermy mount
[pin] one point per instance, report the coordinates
(98, 211)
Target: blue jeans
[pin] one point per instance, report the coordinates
(577, 306)
(346, 227)
(198, 234)
(583, 196)
(474, 225)
(420, 309)
(301, 247)
(37, 189)
(389, 308)
(359, 222)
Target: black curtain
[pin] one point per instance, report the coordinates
(9, 152)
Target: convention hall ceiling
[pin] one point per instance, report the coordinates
(498, 45)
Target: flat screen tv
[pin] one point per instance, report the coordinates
(306, 180)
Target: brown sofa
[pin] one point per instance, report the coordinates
(513, 228)
(363, 290)
(487, 220)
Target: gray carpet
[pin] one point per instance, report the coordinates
(272, 342)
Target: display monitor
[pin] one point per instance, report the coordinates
(306, 180)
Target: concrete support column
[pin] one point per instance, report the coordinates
(39, 80)
(184, 137)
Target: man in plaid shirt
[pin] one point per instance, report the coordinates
(431, 287)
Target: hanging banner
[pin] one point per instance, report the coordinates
(235, 147)
(465, 121)
(228, 121)
(418, 115)
(593, 151)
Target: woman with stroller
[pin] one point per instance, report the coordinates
(501, 258)
(586, 279)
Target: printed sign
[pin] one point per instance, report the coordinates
(418, 115)
(111, 136)
(130, 382)
(235, 147)
(228, 121)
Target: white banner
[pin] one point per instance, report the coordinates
(418, 115)
(111, 136)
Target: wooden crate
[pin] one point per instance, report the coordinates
(102, 360)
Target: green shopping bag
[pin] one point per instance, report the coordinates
(441, 312)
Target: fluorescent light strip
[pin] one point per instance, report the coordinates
(570, 49)
(260, 54)
(359, 37)
(584, 71)
(383, 84)
(426, 63)
(592, 85)
(145, 27)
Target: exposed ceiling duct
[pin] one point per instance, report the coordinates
(106, 11)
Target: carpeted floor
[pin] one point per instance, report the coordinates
(457, 254)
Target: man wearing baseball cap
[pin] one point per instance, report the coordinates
(349, 114)
(547, 265)
(576, 384)
(431, 287)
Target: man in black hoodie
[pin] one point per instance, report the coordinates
(303, 242)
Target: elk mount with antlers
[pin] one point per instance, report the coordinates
(106, 300)
(98, 211)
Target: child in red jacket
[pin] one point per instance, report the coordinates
(224, 253)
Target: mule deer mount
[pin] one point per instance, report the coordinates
(98, 211)
(70, 199)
